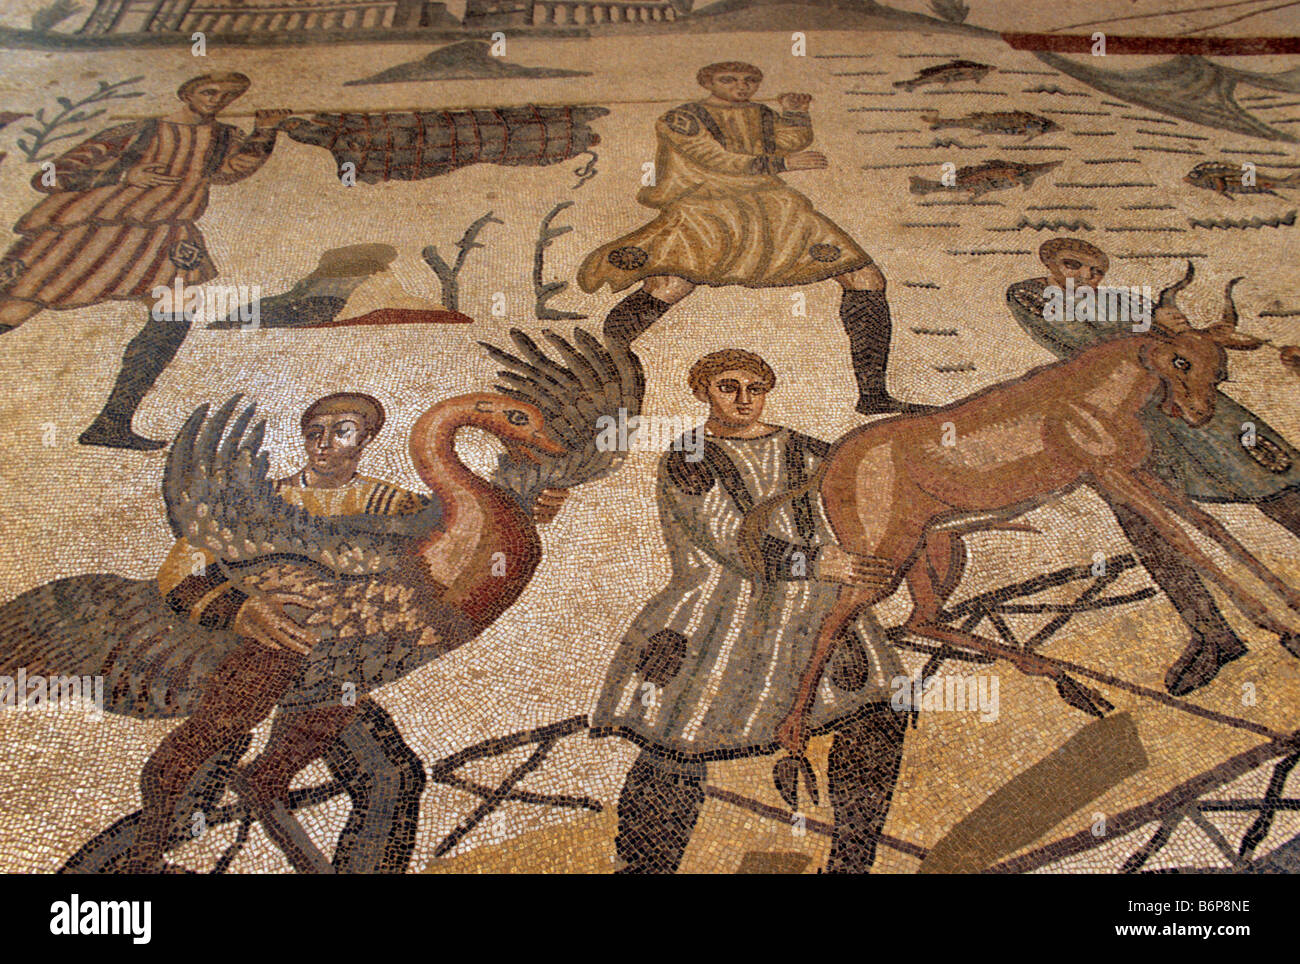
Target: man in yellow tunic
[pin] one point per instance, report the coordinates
(727, 218)
(336, 430)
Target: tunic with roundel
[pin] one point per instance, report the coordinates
(97, 238)
(726, 218)
(712, 663)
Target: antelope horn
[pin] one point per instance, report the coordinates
(1168, 296)
(1229, 307)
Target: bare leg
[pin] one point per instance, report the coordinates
(238, 696)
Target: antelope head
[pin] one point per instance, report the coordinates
(1191, 362)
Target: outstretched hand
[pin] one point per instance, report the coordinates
(262, 618)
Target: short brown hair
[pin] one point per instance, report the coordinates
(1051, 248)
(715, 363)
(347, 403)
(706, 74)
(220, 77)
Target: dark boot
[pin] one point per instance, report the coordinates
(862, 771)
(385, 778)
(147, 354)
(657, 811)
(865, 316)
(1213, 642)
(632, 316)
(1200, 663)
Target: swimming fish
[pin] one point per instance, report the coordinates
(1230, 179)
(986, 177)
(948, 73)
(997, 122)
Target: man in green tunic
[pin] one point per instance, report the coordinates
(711, 664)
(1236, 457)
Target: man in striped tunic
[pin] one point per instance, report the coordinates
(710, 666)
(120, 223)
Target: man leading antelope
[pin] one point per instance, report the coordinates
(1235, 457)
(894, 491)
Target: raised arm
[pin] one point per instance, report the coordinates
(245, 153)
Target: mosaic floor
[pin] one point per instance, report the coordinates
(616, 436)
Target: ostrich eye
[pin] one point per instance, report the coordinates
(516, 417)
(1182, 364)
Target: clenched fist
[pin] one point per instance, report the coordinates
(794, 101)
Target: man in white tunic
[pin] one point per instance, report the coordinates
(710, 666)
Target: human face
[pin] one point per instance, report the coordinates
(1085, 269)
(210, 99)
(732, 87)
(736, 398)
(334, 444)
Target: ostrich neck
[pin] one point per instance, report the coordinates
(479, 522)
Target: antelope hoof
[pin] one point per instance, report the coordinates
(1082, 697)
(785, 776)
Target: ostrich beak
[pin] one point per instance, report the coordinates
(523, 451)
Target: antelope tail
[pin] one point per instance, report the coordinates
(757, 519)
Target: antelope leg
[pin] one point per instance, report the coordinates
(1128, 490)
(1215, 530)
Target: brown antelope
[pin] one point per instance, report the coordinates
(893, 490)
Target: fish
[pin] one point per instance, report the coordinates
(986, 177)
(1229, 179)
(997, 122)
(948, 73)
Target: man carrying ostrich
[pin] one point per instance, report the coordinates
(708, 667)
(1237, 457)
(336, 431)
(727, 218)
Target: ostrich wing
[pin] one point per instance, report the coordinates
(581, 387)
(218, 497)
